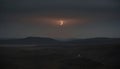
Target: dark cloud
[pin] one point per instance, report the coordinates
(21, 18)
(24, 5)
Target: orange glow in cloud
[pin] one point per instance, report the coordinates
(50, 21)
(61, 22)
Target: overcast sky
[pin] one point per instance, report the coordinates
(40, 18)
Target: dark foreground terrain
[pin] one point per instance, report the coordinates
(66, 56)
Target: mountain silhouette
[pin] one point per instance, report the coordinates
(95, 41)
(29, 40)
(45, 40)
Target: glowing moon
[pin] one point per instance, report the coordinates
(61, 22)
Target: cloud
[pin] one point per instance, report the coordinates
(60, 4)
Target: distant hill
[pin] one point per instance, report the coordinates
(29, 40)
(45, 40)
(95, 41)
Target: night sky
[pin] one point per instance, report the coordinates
(40, 18)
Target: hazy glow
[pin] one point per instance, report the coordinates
(61, 22)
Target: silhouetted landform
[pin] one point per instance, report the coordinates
(95, 53)
(29, 40)
(96, 41)
(82, 57)
(48, 41)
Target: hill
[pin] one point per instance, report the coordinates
(48, 41)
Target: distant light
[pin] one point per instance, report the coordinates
(61, 22)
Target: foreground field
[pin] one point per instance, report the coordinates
(60, 57)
